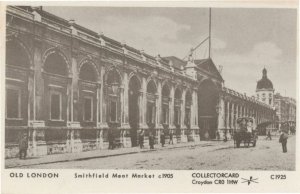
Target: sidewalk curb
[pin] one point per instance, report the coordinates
(112, 155)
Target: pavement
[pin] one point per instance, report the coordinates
(212, 155)
(69, 157)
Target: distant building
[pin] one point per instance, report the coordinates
(285, 111)
(285, 106)
(265, 90)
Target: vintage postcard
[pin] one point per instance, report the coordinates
(149, 97)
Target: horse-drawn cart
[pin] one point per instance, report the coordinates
(246, 132)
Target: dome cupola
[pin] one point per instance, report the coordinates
(264, 82)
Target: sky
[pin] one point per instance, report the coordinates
(244, 40)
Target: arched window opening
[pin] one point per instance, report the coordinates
(56, 64)
(188, 103)
(88, 72)
(134, 110)
(151, 99)
(166, 91)
(113, 84)
(151, 88)
(113, 77)
(207, 113)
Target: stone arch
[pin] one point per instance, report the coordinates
(166, 89)
(52, 58)
(91, 63)
(208, 96)
(134, 86)
(14, 44)
(88, 71)
(113, 75)
(151, 86)
(178, 93)
(137, 82)
(134, 74)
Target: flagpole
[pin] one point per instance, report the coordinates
(209, 40)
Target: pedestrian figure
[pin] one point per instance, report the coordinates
(23, 145)
(269, 135)
(110, 139)
(171, 137)
(162, 139)
(141, 138)
(218, 135)
(283, 140)
(151, 140)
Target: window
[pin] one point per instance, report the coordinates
(165, 112)
(187, 116)
(88, 109)
(177, 116)
(150, 113)
(13, 103)
(270, 100)
(113, 111)
(55, 112)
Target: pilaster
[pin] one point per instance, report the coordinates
(102, 106)
(158, 114)
(171, 109)
(221, 115)
(124, 103)
(183, 127)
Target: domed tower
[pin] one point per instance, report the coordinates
(265, 90)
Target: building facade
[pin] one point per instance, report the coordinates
(67, 87)
(235, 105)
(285, 112)
(265, 90)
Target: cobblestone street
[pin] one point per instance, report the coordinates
(212, 156)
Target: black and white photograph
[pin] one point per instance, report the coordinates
(150, 88)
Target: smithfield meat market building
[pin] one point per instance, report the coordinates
(69, 87)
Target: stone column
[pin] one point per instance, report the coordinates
(32, 144)
(237, 114)
(232, 121)
(141, 108)
(183, 137)
(73, 144)
(194, 117)
(37, 123)
(39, 81)
(143, 105)
(102, 105)
(124, 103)
(125, 127)
(171, 109)
(228, 117)
(98, 132)
(31, 95)
(221, 119)
(232, 116)
(158, 115)
(102, 125)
